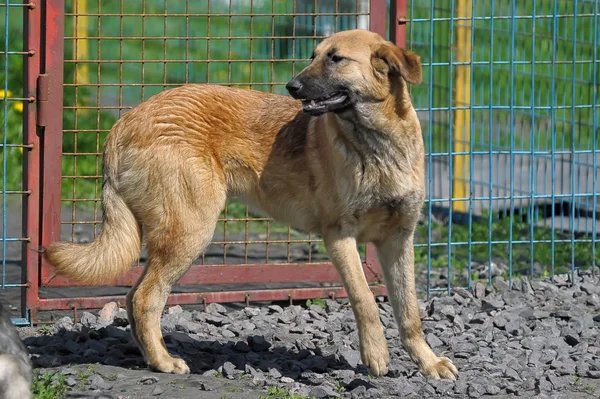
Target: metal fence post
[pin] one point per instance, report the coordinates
(398, 22)
(52, 123)
(31, 159)
(462, 99)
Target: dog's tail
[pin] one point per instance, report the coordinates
(115, 249)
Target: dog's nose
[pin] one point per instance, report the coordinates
(293, 86)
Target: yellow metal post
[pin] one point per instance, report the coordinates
(462, 98)
(81, 42)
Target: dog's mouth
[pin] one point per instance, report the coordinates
(333, 102)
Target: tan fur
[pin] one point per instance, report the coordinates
(354, 175)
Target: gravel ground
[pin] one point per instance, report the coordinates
(540, 340)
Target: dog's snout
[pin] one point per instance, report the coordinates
(293, 86)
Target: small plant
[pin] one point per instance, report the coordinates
(49, 386)
(45, 329)
(317, 301)
(281, 393)
(339, 387)
(83, 376)
(218, 374)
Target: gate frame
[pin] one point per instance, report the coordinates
(43, 175)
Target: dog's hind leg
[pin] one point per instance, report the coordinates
(396, 255)
(181, 234)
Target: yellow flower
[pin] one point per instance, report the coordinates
(18, 106)
(5, 94)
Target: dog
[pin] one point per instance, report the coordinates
(342, 157)
(15, 365)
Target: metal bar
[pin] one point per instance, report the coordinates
(532, 175)
(207, 297)
(398, 22)
(430, 169)
(378, 17)
(462, 128)
(31, 161)
(238, 274)
(512, 144)
(594, 145)
(4, 154)
(51, 144)
(572, 179)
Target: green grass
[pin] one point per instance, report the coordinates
(532, 84)
(49, 385)
(317, 301)
(281, 393)
(494, 237)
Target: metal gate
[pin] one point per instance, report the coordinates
(508, 106)
(118, 54)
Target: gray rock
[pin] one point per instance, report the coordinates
(476, 390)
(258, 343)
(87, 319)
(590, 289)
(274, 373)
(534, 343)
(251, 312)
(479, 290)
(62, 324)
(433, 340)
(216, 309)
(488, 305)
(70, 381)
(97, 382)
(157, 391)
(323, 392)
(350, 356)
(149, 380)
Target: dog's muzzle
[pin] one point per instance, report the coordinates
(321, 105)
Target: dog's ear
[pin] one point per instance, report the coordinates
(388, 58)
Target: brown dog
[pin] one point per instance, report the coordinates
(346, 162)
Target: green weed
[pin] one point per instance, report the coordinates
(49, 385)
(281, 393)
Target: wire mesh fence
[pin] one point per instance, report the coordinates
(12, 100)
(509, 110)
(508, 107)
(118, 54)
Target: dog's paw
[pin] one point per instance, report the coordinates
(443, 368)
(172, 365)
(376, 356)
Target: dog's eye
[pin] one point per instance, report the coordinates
(336, 58)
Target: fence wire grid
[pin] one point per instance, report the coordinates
(509, 110)
(12, 100)
(118, 54)
(508, 107)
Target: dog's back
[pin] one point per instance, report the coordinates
(15, 366)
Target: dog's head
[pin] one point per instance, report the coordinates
(351, 67)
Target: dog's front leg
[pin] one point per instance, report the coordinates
(396, 255)
(341, 248)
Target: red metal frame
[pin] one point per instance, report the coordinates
(44, 174)
(398, 22)
(31, 157)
